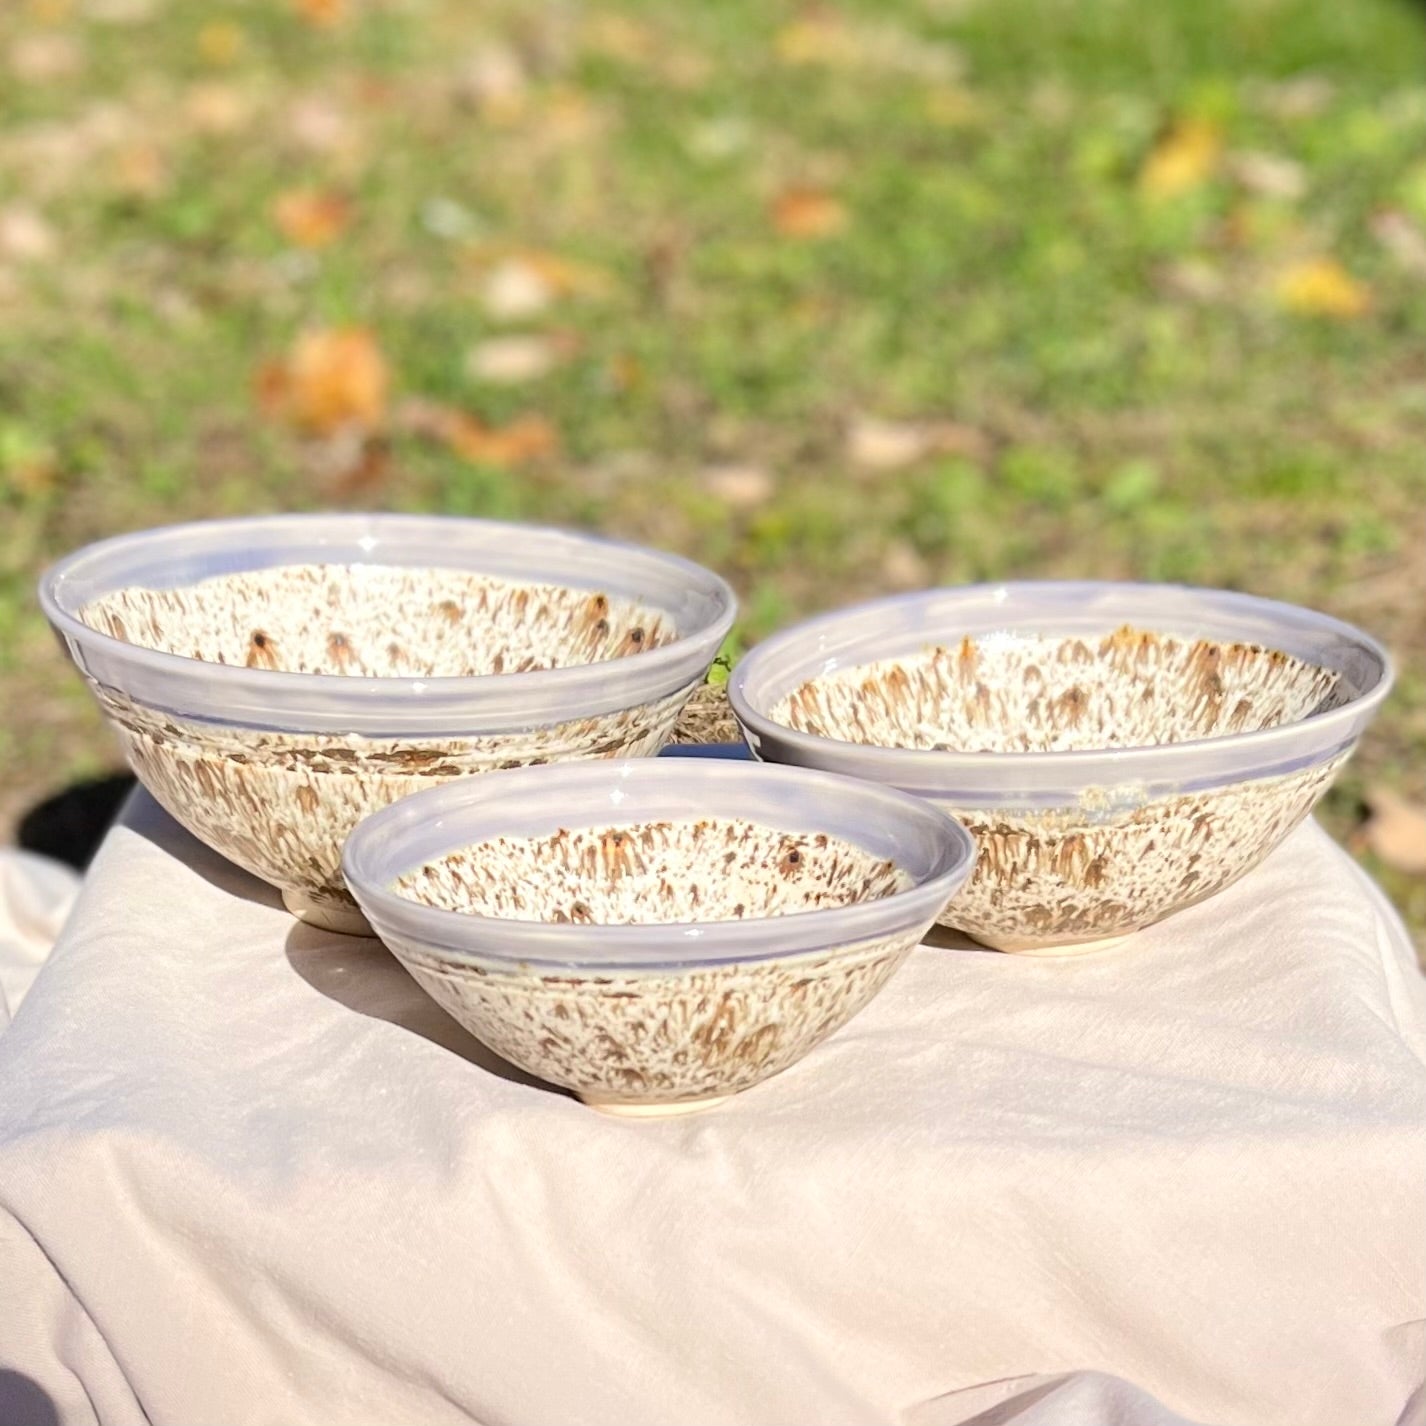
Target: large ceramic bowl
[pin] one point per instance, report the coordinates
(655, 935)
(273, 680)
(1120, 751)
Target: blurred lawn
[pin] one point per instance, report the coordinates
(839, 300)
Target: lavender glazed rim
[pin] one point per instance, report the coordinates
(698, 602)
(930, 846)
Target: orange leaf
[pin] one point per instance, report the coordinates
(1183, 159)
(332, 378)
(310, 218)
(322, 13)
(808, 213)
(1322, 287)
(141, 171)
(526, 439)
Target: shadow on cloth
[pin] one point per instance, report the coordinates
(361, 974)
(24, 1402)
(69, 825)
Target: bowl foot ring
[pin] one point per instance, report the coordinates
(346, 920)
(624, 1109)
(1070, 949)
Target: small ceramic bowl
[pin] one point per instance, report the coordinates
(273, 680)
(655, 935)
(1120, 751)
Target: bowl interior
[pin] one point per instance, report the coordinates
(379, 620)
(1011, 692)
(674, 870)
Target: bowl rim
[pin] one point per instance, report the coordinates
(643, 946)
(286, 688)
(939, 768)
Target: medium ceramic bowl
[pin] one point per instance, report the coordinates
(1120, 751)
(655, 935)
(273, 680)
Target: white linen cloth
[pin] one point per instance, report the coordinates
(36, 894)
(250, 1173)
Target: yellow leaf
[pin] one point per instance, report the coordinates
(1322, 287)
(311, 218)
(816, 40)
(952, 108)
(333, 378)
(220, 42)
(808, 213)
(1183, 159)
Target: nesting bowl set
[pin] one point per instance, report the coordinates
(1048, 768)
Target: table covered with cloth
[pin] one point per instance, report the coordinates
(250, 1173)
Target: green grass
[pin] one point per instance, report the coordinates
(1132, 397)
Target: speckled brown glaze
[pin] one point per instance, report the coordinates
(281, 805)
(1115, 860)
(659, 1037)
(1091, 873)
(708, 869)
(379, 621)
(1012, 694)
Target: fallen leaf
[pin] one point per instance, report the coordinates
(347, 463)
(1185, 157)
(1269, 175)
(446, 218)
(319, 125)
(217, 108)
(514, 289)
(1396, 831)
(38, 59)
(332, 378)
(876, 445)
(323, 14)
(221, 42)
(1402, 238)
(618, 37)
(494, 80)
(818, 39)
(1196, 279)
(524, 440)
(28, 465)
(808, 213)
(1300, 98)
(25, 236)
(720, 138)
(828, 40)
(509, 361)
(524, 284)
(886, 445)
(952, 108)
(568, 116)
(311, 218)
(1322, 287)
(121, 12)
(140, 171)
(902, 567)
(740, 487)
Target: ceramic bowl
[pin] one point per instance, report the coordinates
(1120, 751)
(655, 935)
(273, 680)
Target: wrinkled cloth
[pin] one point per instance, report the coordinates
(250, 1173)
(36, 894)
